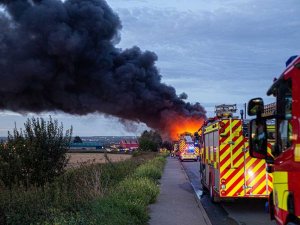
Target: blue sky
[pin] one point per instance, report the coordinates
(216, 51)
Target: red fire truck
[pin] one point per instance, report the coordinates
(227, 170)
(284, 164)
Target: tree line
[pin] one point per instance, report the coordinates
(36, 154)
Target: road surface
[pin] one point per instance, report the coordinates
(237, 212)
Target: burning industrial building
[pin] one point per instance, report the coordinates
(61, 56)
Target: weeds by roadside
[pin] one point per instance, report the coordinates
(112, 193)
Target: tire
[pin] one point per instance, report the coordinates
(202, 172)
(204, 188)
(211, 193)
(212, 197)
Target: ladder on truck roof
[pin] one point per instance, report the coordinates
(225, 110)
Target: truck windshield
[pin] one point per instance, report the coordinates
(284, 100)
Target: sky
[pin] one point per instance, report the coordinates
(216, 51)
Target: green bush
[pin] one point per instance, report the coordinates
(114, 211)
(23, 206)
(152, 169)
(159, 161)
(127, 204)
(148, 171)
(69, 218)
(34, 155)
(66, 196)
(142, 190)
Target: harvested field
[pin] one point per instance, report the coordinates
(77, 159)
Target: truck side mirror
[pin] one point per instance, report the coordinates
(255, 106)
(258, 138)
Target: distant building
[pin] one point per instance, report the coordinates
(132, 144)
(86, 146)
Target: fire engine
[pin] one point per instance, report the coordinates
(187, 147)
(226, 168)
(284, 164)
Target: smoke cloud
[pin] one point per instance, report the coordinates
(61, 56)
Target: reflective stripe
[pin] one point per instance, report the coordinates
(297, 153)
(280, 185)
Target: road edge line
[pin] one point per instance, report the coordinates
(205, 216)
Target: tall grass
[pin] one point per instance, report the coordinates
(151, 169)
(113, 193)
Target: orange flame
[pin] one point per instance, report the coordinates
(181, 124)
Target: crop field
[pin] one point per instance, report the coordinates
(77, 159)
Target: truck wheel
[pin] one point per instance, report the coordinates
(213, 198)
(205, 189)
(211, 193)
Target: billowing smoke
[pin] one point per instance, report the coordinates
(61, 56)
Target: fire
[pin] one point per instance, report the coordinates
(181, 124)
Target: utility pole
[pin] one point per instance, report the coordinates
(245, 105)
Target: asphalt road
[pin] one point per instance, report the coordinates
(237, 212)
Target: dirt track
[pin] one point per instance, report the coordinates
(76, 159)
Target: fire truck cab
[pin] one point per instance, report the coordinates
(284, 163)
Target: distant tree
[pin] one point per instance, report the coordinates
(35, 155)
(77, 139)
(168, 145)
(150, 141)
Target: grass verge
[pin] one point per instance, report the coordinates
(114, 193)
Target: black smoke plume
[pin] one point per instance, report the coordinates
(61, 56)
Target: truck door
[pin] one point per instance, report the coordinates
(257, 181)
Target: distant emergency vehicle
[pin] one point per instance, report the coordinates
(187, 149)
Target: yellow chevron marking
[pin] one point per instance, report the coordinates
(227, 130)
(240, 172)
(224, 154)
(238, 163)
(238, 186)
(250, 162)
(261, 186)
(235, 155)
(258, 166)
(270, 183)
(263, 183)
(258, 176)
(225, 141)
(234, 178)
(254, 172)
(248, 177)
(237, 142)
